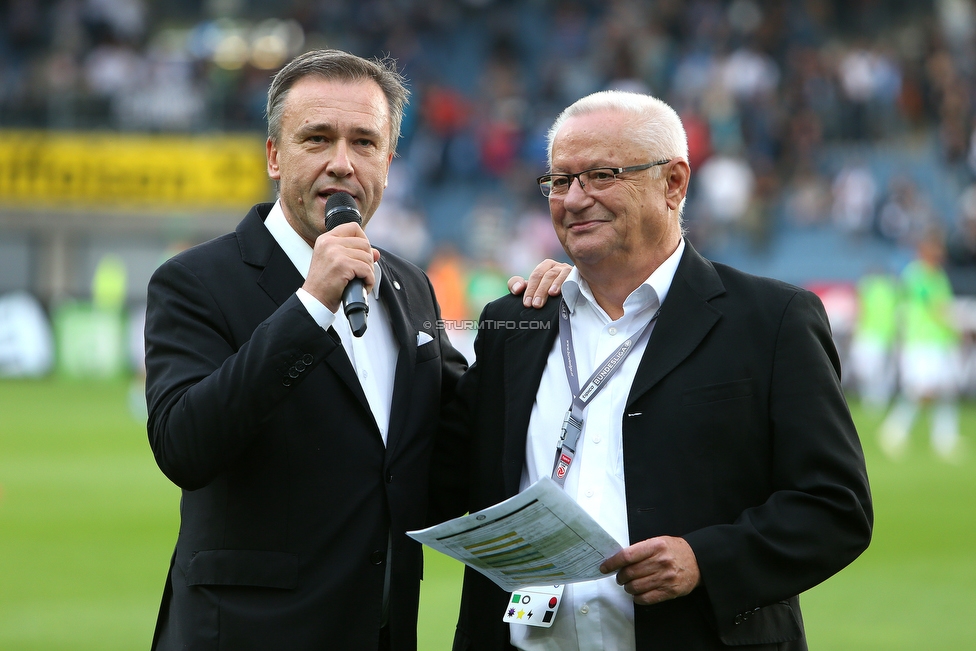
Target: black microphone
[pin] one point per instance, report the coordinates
(340, 208)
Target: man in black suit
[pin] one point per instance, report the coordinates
(302, 450)
(720, 453)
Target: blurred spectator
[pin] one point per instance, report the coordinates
(873, 341)
(444, 130)
(532, 240)
(961, 246)
(448, 274)
(699, 135)
(855, 194)
(725, 187)
(26, 339)
(962, 242)
(724, 120)
(871, 83)
(749, 74)
(929, 360)
(121, 20)
(957, 19)
(488, 232)
(905, 213)
(401, 230)
(112, 68)
(808, 198)
(109, 284)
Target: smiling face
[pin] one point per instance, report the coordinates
(334, 137)
(630, 227)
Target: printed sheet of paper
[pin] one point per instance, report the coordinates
(540, 536)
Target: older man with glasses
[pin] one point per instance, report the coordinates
(718, 448)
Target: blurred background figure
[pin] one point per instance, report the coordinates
(26, 342)
(854, 196)
(827, 135)
(448, 275)
(929, 363)
(961, 245)
(873, 340)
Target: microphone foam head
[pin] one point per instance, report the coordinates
(340, 208)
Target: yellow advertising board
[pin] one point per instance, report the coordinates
(85, 170)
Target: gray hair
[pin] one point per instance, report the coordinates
(659, 129)
(342, 66)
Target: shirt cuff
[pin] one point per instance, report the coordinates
(319, 312)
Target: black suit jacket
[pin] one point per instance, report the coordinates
(736, 437)
(290, 499)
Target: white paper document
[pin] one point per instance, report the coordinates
(540, 536)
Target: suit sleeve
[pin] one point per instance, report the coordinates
(818, 516)
(208, 398)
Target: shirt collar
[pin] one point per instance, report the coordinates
(652, 291)
(297, 249)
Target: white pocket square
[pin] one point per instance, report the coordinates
(423, 338)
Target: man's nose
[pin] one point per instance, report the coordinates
(576, 196)
(340, 164)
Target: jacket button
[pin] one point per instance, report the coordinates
(307, 359)
(389, 478)
(377, 557)
(300, 365)
(286, 381)
(739, 619)
(293, 372)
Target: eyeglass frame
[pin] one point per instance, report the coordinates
(614, 170)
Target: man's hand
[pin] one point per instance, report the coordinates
(655, 570)
(340, 255)
(545, 280)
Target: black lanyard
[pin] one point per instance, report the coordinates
(573, 421)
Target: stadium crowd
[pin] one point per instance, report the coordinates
(786, 105)
(766, 88)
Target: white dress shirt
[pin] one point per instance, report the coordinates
(595, 615)
(373, 355)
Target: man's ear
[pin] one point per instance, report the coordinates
(678, 176)
(272, 152)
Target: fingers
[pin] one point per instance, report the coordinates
(545, 280)
(556, 287)
(340, 255)
(631, 555)
(516, 284)
(656, 569)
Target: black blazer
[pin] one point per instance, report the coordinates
(736, 436)
(290, 499)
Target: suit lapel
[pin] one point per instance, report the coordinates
(686, 317)
(279, 278)
(397, 305)
(526, 353)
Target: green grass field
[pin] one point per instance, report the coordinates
(87, 526)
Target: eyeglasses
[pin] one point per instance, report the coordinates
(598, 178)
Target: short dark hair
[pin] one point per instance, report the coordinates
(336, 64)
